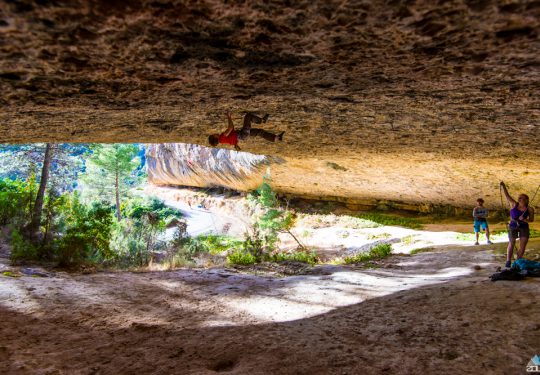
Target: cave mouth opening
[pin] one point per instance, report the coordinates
(73, 203)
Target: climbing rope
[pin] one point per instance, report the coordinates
(534, 196)
(502, 204)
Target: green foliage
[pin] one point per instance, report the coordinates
(422, 250)
(138, 207)
(241, 257)
(494, 236)
(21, 249)
(86, 231)
(408, 240)
(383, 219)
(134, 240)
(378, 252)
(327, 220)
(534, 233)
(111, 171)
(10, 274)
(296, 256)
(213, 244)
(16, 198)
(379, 236)
(265, 196)
(21, 161)
(269, 219)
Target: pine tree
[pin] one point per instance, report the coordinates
(110, 172)
(33, 227)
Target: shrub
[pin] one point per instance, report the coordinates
(378, 252)
(241, 257)
(379, 236)
(296, 256)
(85, 231)
(136, 208)
(21, 249)
(134, 241)
(269, 219)
(213, 244)
(16, 198)
(422, 250)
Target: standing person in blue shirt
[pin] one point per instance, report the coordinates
(480, 214)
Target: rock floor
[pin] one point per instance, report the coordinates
(432, 312)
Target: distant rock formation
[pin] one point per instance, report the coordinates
(194, 165)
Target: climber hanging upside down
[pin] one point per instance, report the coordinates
(231, 136)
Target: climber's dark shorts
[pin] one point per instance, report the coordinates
(514, 234)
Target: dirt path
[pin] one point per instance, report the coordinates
(200, 219)
(430, 313)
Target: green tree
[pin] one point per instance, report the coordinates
(110, 172)
(269, 218)
(33, 227)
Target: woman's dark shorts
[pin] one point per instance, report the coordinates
(514, 234)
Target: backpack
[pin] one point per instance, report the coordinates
(511, 274)
(525, 264)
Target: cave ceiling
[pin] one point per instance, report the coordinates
(405, 80)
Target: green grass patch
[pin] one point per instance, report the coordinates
(383, 219)
(534, 233)
(383, 236)
(378, 252)
(10, 274)
(241, 257)
(297, 256)
(213, 244)
(324, 221)
(422, 250)
(408, 240)
(471, 237)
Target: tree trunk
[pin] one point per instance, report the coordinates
(117, 190)
(33, 227)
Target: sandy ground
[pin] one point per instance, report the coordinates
(219, 214)
(434, 313)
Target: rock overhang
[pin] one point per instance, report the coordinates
(412, 89)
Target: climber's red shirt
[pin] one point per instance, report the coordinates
(231, 139)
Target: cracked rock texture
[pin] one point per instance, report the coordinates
(414, 101)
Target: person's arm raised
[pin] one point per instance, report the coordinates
(231, 125)
(510, 200)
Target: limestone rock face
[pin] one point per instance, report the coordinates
(424, 182)
(194, 165)
(404, 100)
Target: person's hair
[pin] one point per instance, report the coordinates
(480, 200)
(213, 140)
(526, 198)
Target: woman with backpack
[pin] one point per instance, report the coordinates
(520, 217)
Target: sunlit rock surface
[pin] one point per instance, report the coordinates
(414, 101)
(422, 182)
(194, 165)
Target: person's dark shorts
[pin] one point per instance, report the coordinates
(514, 234)
(243, 134)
